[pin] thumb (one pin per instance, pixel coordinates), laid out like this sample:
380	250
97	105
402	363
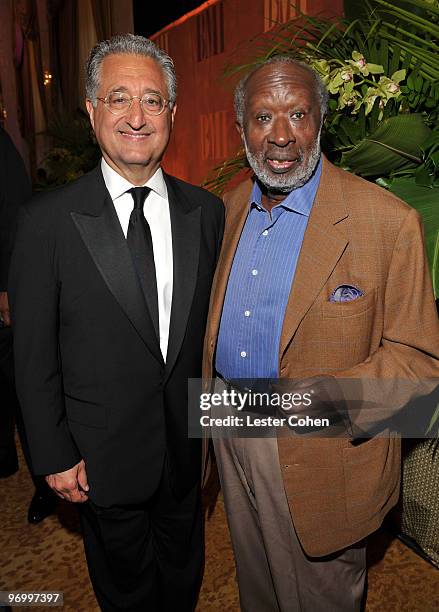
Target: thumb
82	477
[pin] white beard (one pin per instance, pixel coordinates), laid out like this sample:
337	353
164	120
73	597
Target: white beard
287	182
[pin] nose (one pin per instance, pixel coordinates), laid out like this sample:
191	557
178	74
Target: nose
135	116
282	132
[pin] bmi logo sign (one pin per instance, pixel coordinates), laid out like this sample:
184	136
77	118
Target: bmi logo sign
281	11
214	135
210	32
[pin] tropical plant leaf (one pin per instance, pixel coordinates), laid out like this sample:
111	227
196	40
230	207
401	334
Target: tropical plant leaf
426	201
395	58
75	150
221	175
417	12
71	130
395	144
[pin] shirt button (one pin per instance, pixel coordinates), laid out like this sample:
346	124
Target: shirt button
243	354
254	272
247	313
265	233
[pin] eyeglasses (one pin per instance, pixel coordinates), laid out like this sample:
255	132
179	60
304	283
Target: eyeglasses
119	103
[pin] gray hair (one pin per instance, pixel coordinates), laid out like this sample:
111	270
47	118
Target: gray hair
127	44
241	88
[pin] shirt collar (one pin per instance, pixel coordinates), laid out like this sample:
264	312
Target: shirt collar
299	200
117	185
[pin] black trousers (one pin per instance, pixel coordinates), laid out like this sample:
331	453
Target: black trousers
146	558
10	415
8	453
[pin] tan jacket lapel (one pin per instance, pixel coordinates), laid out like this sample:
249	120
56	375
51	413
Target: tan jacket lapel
322	247
236	215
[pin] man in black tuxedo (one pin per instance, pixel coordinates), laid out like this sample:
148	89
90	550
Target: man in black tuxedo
109	312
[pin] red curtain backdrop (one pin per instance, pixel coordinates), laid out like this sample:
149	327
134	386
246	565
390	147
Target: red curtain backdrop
201	44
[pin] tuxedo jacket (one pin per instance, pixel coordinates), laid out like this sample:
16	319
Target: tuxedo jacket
339	490
91	379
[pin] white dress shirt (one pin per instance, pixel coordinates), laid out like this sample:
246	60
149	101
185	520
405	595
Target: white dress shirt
156	211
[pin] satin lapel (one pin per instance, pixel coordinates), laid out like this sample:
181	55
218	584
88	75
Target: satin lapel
104	239
185	224
322	247
236	215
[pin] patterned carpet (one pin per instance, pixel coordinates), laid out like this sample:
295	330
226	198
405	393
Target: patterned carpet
50	556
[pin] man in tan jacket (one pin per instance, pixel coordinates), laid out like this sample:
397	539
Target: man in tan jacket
322	276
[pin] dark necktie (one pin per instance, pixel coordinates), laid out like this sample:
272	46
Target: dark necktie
140	244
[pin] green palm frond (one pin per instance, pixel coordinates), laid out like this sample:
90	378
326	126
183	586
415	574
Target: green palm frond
75	150
425	201
395	144
221	175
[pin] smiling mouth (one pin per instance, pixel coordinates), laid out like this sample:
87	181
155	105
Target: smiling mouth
282	165
134	135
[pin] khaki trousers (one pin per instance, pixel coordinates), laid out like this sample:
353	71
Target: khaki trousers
274	574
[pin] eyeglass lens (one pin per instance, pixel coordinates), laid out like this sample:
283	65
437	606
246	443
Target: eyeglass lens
120	102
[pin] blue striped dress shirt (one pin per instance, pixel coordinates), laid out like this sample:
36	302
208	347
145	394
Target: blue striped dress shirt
260	283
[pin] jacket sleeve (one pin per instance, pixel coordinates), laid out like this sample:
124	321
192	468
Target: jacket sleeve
34	294
406	364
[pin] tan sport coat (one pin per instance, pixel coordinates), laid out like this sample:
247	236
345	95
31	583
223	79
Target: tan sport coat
358	234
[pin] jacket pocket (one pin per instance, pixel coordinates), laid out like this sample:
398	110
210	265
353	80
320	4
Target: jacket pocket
372	475
351	308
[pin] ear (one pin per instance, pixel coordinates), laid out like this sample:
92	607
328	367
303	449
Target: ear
91	112
240	129
173	111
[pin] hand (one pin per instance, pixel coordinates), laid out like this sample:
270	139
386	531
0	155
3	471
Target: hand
71	484
323	398
4	309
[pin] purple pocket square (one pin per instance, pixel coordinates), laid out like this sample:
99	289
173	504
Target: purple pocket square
345	293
